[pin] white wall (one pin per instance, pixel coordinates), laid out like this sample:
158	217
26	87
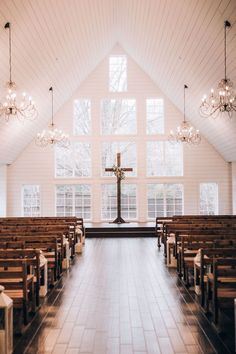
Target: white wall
201	163
3	190
234	186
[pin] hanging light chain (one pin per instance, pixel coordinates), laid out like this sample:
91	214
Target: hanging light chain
52	136
25	109
185	133
224	99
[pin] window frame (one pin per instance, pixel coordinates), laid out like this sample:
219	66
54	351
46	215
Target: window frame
90	117
126	73
22	200
165	190
163	117
216	211
113	100
73	198
73	164
115	197
163	159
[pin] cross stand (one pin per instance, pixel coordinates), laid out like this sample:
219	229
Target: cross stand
119	173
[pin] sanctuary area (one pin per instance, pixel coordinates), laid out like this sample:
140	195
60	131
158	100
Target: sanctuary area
117	176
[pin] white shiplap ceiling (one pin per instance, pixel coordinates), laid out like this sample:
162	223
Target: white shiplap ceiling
59	43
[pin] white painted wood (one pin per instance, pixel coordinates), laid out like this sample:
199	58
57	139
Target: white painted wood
234	186
3	190
201	164
61	42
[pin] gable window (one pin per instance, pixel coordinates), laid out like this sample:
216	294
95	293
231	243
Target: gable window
128	156
208	198
155	116
128	201
73	162
82	117
117	73
164	200
74	200
30	200
164	159
118	116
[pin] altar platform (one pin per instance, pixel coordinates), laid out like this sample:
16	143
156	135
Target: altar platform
129	229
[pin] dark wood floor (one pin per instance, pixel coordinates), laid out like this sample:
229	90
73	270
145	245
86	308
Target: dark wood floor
119	298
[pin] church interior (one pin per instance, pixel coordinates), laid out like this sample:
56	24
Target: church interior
117	176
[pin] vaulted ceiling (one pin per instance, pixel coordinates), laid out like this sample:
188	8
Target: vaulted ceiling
59	43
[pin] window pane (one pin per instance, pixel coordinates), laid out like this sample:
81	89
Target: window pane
82	159
75	161
164	159
118	117
209	198
128	201
74	200
82	117
128	156
155	116
109	207
63	162
30	200
118	73
164	200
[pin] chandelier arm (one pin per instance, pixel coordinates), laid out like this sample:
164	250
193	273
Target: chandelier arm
215	110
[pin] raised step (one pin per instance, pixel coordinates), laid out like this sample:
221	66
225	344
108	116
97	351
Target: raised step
120	230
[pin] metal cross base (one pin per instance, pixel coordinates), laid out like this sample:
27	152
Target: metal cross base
118	220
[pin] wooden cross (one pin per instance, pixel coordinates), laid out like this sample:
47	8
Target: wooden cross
119	173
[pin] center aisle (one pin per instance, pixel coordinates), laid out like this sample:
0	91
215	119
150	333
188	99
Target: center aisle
118	298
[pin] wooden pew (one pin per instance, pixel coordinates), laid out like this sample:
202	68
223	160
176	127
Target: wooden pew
161	222
221	286
19	285
60	231
32	256
189	248
48	245
205	264
159	228
206	230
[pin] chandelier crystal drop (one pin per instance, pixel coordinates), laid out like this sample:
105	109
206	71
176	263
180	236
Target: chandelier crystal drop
185	133
52	136
22	109
223	100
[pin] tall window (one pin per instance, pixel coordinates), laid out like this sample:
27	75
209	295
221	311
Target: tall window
155	116
118	116
164	200
164	159
128	156
75	161
128	201
82	117
30	200
74	200
118	73
208	198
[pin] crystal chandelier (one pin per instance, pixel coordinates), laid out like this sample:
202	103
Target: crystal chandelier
185	133
25	109
224	99
52	136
